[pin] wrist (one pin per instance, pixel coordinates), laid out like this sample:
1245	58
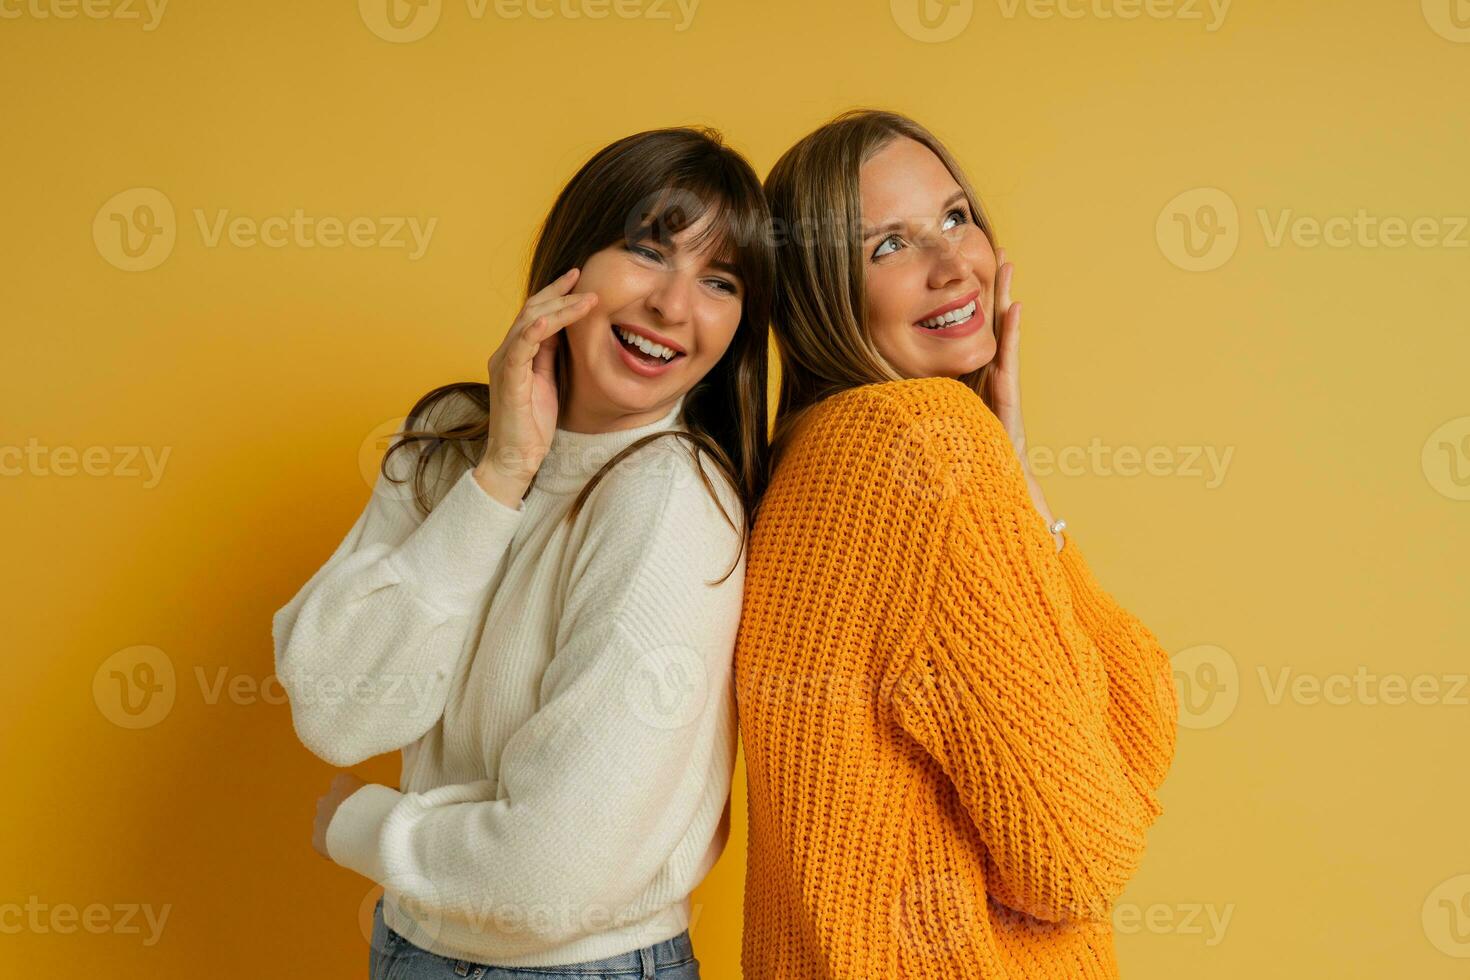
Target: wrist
1039	504
507	488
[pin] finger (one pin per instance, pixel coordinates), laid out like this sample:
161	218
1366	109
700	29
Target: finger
1003	343
538	330
578	305
557	286
547	307
523	348
544	362
548	324
1013	343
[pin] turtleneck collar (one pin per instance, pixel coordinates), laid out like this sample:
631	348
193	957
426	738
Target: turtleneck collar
573	457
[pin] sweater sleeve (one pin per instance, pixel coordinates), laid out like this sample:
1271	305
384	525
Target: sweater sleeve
366	649
1143	709
1008	693
601	784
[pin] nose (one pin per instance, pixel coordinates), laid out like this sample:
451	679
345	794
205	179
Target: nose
669	299
948	262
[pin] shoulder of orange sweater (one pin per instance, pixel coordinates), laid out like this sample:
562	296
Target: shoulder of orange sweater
935	433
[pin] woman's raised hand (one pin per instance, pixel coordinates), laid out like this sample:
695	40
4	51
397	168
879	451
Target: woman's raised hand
523	397
1005	382
1005	379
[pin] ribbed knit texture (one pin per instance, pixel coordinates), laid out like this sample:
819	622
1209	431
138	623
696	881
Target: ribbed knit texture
953	736
561	693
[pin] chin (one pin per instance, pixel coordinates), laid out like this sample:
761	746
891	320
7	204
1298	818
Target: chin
631	394
959	365
982	354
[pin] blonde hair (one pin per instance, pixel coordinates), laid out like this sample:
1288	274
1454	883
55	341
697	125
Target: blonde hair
819	316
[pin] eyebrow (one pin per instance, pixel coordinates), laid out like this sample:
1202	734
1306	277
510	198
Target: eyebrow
958	195
719	265
729	268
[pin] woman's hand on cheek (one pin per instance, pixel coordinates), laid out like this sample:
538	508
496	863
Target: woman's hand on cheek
524	404
1005	382
1005	379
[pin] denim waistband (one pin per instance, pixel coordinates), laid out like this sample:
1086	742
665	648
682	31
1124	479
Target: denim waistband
672	951
644	961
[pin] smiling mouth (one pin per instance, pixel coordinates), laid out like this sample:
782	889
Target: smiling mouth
645	349
952	318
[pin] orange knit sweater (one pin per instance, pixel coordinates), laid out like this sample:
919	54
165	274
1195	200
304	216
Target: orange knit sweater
953	736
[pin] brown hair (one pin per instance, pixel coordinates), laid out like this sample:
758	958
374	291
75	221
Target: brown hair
652	185
820	316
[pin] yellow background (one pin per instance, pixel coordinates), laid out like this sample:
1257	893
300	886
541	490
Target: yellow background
1329	835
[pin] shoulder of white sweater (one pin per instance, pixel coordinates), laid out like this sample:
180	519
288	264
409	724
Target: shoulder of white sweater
658	487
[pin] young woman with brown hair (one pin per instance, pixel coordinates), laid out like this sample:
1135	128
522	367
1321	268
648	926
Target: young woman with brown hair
531	606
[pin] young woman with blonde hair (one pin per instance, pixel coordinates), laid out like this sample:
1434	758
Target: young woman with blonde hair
953	735
532	609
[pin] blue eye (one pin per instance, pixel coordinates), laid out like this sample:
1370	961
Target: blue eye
879	251
964	216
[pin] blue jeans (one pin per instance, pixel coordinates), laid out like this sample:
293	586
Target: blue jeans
392	957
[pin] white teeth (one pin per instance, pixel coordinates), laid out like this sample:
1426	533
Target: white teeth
645	345
953	316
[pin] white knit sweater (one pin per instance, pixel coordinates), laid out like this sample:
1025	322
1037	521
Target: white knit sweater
561	693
